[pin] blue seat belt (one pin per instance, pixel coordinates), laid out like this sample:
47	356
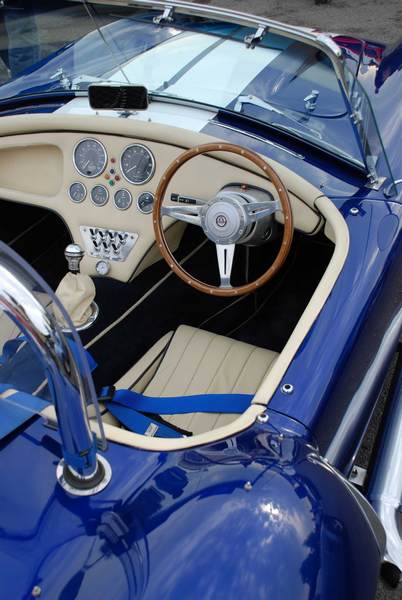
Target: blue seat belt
127	406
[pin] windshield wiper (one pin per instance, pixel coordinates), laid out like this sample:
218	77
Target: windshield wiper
256	101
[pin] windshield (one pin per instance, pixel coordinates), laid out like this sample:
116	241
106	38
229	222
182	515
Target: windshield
281	82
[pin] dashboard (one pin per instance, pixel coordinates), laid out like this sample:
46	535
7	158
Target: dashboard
103	184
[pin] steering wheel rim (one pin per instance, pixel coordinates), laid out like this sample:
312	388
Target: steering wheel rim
281	190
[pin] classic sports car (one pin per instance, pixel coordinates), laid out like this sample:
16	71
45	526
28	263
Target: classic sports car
185	401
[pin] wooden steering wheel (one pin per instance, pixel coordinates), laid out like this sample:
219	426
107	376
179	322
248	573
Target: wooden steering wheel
224	219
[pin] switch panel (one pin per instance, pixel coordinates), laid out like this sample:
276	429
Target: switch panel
107	243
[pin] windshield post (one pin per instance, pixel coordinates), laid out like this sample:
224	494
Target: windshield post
81	471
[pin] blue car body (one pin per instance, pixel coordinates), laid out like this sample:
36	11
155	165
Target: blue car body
268	513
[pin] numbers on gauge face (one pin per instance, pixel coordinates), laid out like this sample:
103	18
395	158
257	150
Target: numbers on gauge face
145	202
90	157
122	199
77	192
99	195
137	164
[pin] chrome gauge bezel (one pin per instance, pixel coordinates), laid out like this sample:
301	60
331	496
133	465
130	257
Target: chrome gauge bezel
142	182
107	195
69	192
130	202
145	212
104	153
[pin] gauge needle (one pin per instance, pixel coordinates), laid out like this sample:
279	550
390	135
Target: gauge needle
86	164
131	168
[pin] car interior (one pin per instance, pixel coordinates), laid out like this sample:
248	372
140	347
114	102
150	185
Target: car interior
95	182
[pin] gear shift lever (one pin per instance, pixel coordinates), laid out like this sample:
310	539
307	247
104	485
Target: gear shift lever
77	291
74	255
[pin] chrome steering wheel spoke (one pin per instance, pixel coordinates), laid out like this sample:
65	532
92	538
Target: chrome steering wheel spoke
225	253
259	210
189	213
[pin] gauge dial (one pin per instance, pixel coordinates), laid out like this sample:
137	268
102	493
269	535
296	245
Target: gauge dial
77	192
123	199
90	157
145	202
137	164
102	267
99	195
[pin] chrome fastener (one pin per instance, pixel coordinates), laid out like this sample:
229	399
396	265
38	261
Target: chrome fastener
287	388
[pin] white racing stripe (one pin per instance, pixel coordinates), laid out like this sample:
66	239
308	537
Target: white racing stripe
192	119
220	71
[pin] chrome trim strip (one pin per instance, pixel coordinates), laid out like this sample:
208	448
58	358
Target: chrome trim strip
257	137
385	490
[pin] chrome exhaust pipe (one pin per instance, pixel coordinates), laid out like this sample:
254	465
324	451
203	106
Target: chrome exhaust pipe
385	489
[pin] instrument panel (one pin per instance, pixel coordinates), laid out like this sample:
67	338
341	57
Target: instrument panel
62	171
136	165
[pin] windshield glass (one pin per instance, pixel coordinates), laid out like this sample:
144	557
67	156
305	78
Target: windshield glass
281	82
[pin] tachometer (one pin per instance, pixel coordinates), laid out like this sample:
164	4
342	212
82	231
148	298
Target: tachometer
137	164
90	157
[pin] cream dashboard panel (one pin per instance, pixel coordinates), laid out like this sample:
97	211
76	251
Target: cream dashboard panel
38	169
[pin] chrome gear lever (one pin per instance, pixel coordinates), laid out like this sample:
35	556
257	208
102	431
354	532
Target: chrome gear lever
77	291
74	255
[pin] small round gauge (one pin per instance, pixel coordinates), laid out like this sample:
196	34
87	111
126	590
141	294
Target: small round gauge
102	267
77	192
99	195
90	157
123	199
137	164
145	202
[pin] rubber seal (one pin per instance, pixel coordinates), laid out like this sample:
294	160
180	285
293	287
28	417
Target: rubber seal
84	484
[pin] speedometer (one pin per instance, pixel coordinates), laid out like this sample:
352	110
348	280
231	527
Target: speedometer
90	157
137	164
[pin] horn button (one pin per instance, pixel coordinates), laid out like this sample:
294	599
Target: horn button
224	221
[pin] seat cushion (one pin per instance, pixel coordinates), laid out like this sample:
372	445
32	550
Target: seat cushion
198	362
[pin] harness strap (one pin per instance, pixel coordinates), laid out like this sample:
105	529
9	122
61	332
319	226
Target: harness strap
128	408
179	405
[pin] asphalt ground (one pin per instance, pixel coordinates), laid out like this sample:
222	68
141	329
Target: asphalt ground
379	20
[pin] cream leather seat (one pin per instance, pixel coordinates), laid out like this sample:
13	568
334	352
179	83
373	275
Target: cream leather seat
193	361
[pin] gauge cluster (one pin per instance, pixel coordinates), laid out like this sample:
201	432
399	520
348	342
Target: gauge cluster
135	166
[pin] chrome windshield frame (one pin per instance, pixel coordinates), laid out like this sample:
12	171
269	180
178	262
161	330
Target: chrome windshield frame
165	13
